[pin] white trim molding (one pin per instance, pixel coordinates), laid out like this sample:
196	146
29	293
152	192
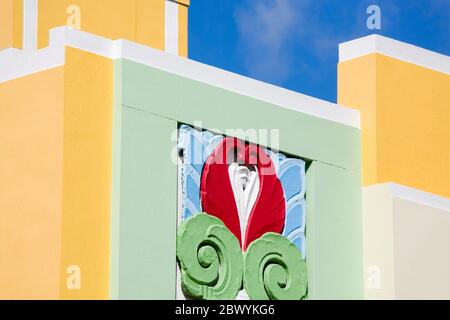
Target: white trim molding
17	63
171	27
419	196
395	49
30	25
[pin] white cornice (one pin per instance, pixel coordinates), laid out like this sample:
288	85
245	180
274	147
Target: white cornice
16	63
395	49
171	27
419	196
30	25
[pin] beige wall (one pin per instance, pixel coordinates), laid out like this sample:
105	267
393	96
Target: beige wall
378	239
422	250
406	243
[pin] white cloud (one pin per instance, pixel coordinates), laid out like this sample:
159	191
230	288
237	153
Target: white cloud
266	27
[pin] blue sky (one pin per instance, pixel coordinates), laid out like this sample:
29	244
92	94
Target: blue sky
294	43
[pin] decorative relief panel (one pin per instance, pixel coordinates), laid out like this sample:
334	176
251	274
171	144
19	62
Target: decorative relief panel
242	229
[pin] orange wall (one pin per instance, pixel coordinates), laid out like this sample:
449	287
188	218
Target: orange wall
31	149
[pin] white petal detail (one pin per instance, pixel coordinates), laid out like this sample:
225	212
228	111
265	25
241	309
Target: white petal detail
245	185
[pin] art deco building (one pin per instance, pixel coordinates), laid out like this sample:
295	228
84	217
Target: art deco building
128	171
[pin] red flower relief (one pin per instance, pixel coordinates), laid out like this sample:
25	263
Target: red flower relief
218	198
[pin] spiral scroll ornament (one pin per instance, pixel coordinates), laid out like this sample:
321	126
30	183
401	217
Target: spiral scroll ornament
274	269
210	259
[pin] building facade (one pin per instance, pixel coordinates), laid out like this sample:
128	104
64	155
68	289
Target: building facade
130	172
403	94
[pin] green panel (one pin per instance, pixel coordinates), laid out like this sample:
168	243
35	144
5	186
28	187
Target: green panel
334	233
144	229
188	101
148	207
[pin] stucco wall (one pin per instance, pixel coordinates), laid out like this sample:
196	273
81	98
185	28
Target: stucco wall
403	94
406	243
31	148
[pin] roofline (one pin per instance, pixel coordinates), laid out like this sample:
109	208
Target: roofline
414	195
395	49
16	63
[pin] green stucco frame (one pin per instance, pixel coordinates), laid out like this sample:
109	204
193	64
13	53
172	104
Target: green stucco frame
149	105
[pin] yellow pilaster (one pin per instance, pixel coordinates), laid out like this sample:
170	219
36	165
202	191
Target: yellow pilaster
141	21
6	23
405	112
357	89
17	23
87	170
150	23
183	29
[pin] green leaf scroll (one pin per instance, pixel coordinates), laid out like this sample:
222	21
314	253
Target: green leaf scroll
213	266
210	259
274	269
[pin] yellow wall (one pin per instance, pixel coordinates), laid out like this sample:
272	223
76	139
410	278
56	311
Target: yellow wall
31	149
357	89
10	24
87	169
109	18
56	153
6	24
183	30
55	180
17	23
141	21
150	23
405	113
